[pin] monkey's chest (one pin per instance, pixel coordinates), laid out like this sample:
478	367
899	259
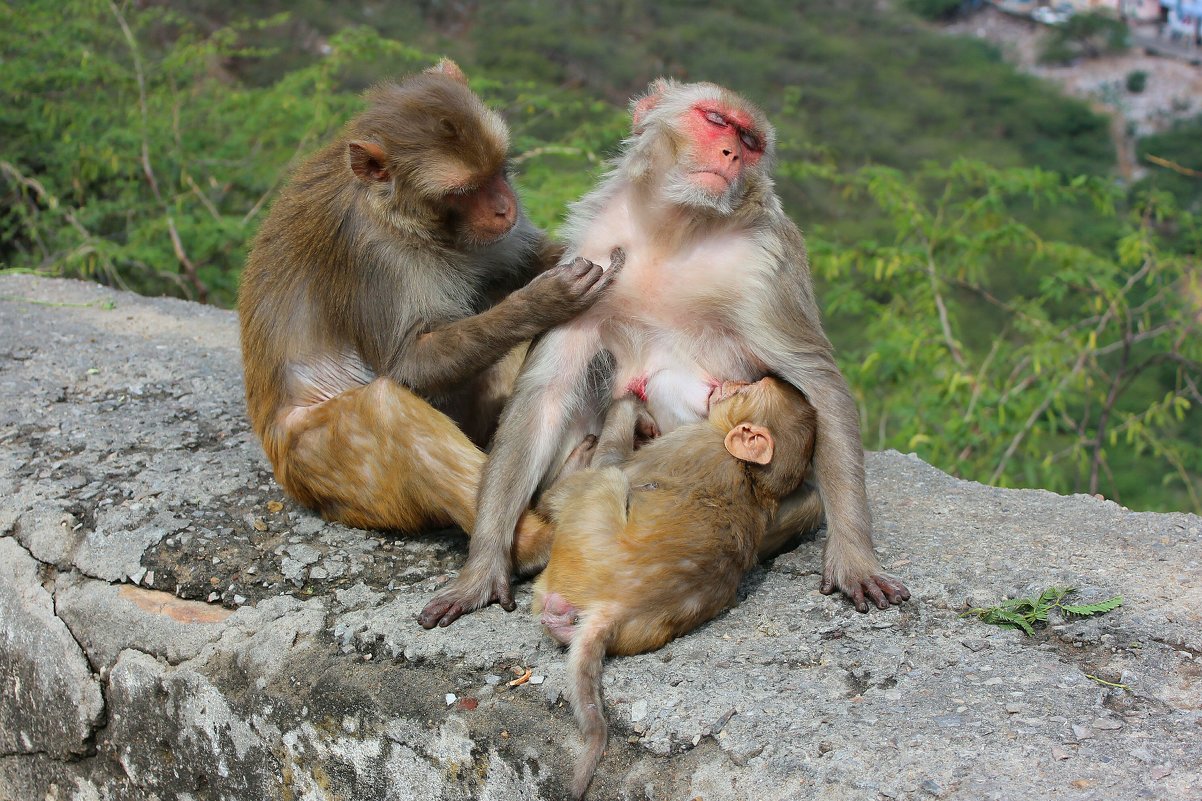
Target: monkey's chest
674	366
667	325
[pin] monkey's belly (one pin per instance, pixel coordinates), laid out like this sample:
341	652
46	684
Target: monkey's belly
677	397
675	381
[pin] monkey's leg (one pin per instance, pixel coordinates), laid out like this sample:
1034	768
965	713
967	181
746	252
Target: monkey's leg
489	394
799	513
532	543
378	456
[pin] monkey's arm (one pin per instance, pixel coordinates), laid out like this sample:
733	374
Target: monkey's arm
616	443
784	335
528	440
452	353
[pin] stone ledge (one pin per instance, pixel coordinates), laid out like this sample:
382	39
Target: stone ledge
168	631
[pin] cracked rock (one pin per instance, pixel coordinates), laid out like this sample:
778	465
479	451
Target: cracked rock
49	699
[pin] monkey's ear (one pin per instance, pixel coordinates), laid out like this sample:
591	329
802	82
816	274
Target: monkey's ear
368	161
643	106
448	68
750	443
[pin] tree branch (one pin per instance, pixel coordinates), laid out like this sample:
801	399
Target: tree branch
177	245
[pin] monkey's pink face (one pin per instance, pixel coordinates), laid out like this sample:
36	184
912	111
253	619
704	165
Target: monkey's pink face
725	143
486	213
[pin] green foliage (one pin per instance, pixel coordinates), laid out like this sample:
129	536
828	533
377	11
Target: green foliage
1029	613
1009	357
1085	36
1174	162
1137	81
934	9
146	166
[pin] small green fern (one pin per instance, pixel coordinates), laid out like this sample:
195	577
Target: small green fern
1027	613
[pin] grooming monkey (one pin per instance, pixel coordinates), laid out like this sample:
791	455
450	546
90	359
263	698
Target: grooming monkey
385	304
650	544
716	286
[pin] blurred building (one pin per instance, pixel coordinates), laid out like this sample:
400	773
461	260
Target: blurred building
1183	20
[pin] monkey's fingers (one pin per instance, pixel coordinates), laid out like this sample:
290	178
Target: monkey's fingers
617	259
584	275
880	589
645	427
894	589
607	277
581	267
875	593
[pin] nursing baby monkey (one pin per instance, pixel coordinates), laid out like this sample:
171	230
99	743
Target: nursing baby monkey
649	544
716	286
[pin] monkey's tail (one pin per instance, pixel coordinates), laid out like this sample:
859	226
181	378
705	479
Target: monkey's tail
585	660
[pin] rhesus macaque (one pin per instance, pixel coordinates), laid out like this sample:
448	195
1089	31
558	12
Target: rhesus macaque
648	545
385	306
716	287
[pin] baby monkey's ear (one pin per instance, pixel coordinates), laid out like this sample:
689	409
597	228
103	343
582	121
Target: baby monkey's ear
750	443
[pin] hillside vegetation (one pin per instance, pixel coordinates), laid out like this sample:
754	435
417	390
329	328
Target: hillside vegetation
1000	305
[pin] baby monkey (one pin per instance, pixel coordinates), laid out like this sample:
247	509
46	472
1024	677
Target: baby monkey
648	545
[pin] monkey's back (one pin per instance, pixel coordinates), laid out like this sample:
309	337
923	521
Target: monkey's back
667	554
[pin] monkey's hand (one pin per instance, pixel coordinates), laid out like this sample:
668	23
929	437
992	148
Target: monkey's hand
566	290
473	590
860	585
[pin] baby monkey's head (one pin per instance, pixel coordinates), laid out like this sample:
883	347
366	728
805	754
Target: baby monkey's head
769	424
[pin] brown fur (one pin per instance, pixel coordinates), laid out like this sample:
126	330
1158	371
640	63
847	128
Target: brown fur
654	544
385	307
716	286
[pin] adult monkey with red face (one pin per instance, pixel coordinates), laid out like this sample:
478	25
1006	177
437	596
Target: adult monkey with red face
384	304
716	286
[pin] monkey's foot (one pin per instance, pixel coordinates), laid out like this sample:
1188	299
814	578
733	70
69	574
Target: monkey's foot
559	617
882	589
467	594
581	456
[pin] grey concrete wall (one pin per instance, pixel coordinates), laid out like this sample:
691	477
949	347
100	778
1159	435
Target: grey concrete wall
172	627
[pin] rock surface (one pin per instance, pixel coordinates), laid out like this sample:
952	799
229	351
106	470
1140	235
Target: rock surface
173	627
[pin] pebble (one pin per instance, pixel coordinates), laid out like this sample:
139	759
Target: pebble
1082	732
450	698
638	711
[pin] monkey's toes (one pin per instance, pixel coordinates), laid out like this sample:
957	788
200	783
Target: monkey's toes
894	590
439	612
880	589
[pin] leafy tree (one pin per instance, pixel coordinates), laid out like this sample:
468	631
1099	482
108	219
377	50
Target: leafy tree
144	166
1085	36
935	9
1174	160
1088	378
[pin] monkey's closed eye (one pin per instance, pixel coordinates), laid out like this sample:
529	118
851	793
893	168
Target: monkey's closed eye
750	140
715	118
